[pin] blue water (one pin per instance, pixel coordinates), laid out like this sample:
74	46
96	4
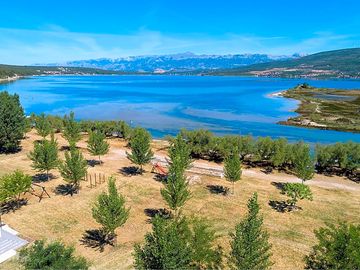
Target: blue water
164	104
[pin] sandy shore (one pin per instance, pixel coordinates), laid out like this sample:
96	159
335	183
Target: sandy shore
9	79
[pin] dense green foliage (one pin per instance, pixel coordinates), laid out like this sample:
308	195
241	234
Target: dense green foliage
109	209
338	248
43	125
303	162
13	185
13	123
178	244
74	168
232	168
141	153
71	130
52	256
250	248
97	144
45	155
296	192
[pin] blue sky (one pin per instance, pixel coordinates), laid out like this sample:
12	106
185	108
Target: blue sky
57	31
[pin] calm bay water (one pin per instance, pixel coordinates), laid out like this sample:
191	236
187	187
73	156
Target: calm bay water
164	104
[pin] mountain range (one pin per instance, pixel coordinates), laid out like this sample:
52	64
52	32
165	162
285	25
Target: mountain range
182	62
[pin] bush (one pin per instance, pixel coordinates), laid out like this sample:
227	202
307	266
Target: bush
52	256
338	248
13	185
296	192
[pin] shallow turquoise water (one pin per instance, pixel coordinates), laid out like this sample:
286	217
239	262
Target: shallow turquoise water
164	104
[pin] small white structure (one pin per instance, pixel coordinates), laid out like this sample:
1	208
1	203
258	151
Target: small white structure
9	242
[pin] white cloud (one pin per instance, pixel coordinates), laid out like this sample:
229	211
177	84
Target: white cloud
53	43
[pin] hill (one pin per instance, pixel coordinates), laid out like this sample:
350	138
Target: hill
182	62
10	71
343	63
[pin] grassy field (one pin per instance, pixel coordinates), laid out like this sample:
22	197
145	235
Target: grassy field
67	218
325	108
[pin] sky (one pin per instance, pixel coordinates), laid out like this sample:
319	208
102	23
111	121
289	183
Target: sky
40	31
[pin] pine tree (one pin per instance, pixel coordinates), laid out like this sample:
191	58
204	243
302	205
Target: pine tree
303	162
250	248
97	144
141	153
71	129
45	155
43	125
109	210
13	123
180	150
73	169
232	168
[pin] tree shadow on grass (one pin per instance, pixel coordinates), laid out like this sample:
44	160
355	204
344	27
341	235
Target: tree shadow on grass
66	189
160	178
12	206
93	162
279	185
152	212
42	177
218	189
283	206
97	239
130	171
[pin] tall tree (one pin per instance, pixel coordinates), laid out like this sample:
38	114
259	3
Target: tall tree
178	244
180	151
54	255
73	169
338	247
232	168
110	211
71	129
43	125
45	155
97	145
13	123
250	248
303	162
141	153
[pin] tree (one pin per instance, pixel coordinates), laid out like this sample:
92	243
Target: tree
232	168
13	185
45	156
338	247
110	211
279	155
97	144
250	248
54	255
71	129
73	169
13	123
303	162
43	125
178	244
296	192
180	151
141	153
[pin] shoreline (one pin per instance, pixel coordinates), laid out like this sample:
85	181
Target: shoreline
10	79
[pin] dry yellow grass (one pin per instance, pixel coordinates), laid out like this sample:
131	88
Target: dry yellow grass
66	218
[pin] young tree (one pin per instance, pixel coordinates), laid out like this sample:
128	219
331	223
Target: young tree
45	155
13	123
71	129
338	248
250	248
303	162
97	145
180	151
178	244
110	211
13	185
176	191
141	153
232	168
43	125
73	169
54	255
296	192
